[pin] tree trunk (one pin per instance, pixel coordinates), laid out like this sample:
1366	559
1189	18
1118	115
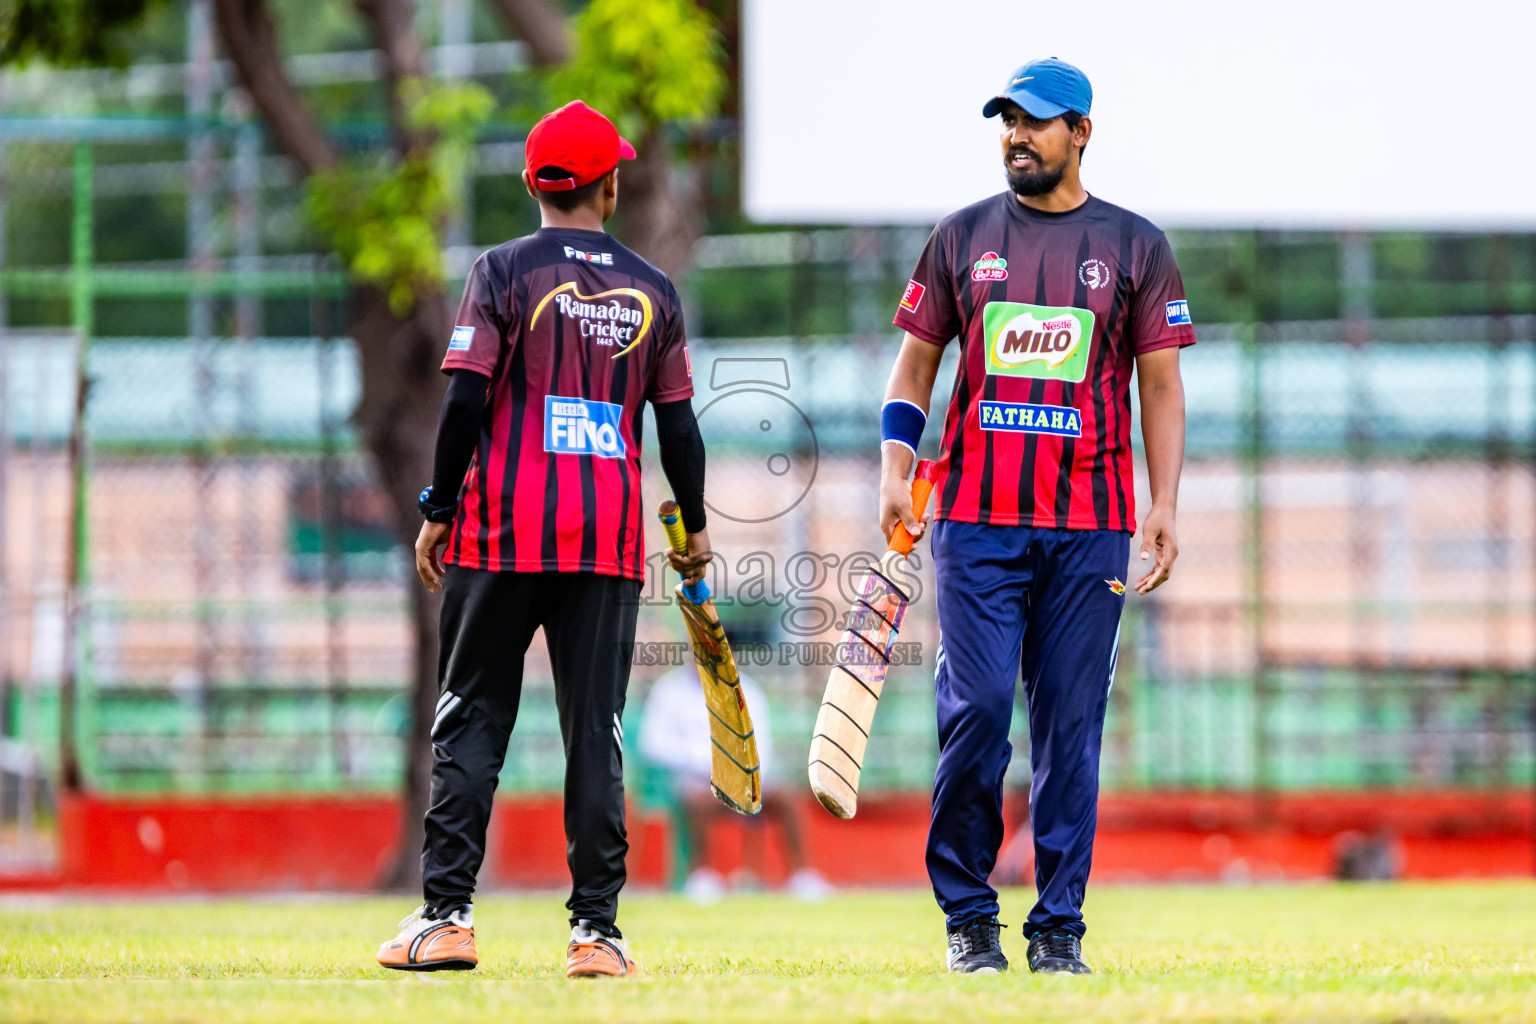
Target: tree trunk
659	204
402	391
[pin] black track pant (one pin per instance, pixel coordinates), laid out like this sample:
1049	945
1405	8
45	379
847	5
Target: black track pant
488	620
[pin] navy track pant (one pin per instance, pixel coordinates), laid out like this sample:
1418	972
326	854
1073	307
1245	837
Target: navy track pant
1044	602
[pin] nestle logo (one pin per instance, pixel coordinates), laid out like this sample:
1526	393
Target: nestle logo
1058	325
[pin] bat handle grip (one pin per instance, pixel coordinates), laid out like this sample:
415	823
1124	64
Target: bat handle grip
922	487
677	537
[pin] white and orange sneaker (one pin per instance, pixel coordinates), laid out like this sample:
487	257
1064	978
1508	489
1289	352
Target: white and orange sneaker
429	943
592	954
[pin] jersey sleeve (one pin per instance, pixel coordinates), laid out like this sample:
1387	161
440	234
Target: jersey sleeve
479	328
928	307
1159	314
672	373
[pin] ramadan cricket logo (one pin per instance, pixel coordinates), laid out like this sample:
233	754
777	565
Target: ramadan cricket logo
1044	342
604	323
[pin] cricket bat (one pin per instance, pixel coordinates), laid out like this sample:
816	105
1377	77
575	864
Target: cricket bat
735	773
863	657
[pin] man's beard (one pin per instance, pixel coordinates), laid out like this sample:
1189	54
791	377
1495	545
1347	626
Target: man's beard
1034	183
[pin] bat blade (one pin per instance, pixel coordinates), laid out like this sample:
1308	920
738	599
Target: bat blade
735	771
853	690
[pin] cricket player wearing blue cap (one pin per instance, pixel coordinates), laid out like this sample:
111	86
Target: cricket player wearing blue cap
1057	297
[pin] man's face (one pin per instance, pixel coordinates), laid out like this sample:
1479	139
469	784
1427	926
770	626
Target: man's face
1035	152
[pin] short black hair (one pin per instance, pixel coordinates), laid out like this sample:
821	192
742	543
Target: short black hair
1073	119
566	200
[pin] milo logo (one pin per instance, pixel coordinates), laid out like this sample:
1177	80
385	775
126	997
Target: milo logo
1047	342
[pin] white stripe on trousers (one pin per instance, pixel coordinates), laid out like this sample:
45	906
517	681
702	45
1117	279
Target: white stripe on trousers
444	712
1114	660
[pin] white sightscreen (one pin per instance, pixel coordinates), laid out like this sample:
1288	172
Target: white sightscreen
1207	113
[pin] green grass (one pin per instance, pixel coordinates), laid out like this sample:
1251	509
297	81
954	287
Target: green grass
1400	953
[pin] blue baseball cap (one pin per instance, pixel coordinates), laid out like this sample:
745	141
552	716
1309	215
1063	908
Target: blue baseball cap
1044	88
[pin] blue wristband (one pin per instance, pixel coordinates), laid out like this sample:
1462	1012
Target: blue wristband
902	422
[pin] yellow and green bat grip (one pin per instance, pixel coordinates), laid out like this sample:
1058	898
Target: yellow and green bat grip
677	536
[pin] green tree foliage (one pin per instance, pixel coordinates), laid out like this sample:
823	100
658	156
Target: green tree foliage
69	33
645	63
385	217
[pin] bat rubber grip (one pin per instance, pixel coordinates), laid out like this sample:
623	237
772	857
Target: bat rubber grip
677	536
922	487
672	523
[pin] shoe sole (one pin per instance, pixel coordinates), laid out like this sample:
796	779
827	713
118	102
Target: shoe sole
435	965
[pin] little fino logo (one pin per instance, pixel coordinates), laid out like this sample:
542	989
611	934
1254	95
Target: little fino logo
577	426
991	267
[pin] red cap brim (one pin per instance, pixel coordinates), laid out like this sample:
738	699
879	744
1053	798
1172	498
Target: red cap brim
626	151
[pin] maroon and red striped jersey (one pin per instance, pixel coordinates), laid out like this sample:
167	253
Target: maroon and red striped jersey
576	333
1051	311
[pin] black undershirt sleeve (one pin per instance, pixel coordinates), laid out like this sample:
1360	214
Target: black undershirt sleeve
682	459
458	433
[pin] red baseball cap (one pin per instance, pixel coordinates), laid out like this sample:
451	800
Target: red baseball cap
578	139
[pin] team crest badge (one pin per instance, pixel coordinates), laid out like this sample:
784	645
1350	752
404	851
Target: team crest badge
1116	586
1093	273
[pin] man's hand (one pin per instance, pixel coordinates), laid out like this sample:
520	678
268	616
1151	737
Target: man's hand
691	566
896	506
428	566
1159	540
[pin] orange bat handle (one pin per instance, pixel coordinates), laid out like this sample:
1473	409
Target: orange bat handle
922	487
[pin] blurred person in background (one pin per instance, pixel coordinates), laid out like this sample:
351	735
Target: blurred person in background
1056	296
560	340
674	739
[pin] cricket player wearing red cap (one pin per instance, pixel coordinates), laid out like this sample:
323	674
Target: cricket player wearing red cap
560	340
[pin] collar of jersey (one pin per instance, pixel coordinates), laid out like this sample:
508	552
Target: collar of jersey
1045	216
579	232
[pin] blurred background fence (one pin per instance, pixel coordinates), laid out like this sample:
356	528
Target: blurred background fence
199	591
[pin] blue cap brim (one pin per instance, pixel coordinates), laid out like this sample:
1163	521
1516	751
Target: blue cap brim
1033	105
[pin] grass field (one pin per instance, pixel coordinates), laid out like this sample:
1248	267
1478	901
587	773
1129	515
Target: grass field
1420	953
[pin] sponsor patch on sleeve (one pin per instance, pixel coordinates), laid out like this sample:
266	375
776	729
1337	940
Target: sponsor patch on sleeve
1178	312
462	338
912	297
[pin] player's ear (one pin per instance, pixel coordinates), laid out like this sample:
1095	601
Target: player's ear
610	193
1082	133
528	183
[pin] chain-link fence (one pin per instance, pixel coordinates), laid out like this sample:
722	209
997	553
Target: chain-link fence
206	577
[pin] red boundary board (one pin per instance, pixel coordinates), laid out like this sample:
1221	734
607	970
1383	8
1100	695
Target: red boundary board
240	845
